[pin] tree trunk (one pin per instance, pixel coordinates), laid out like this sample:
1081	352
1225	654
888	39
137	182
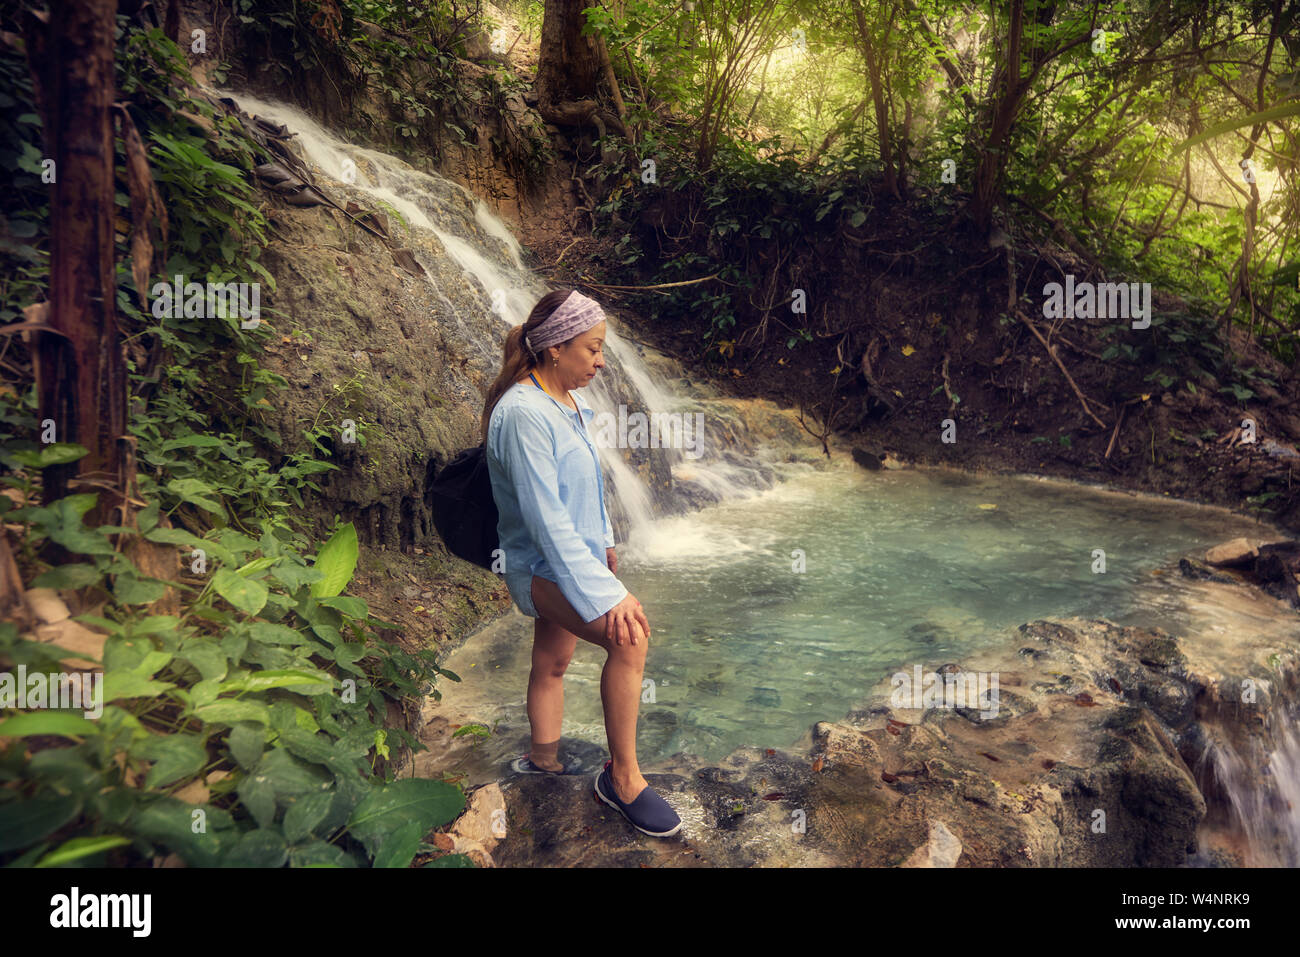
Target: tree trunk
570	68
1007	93
1001	111
82	382
874	56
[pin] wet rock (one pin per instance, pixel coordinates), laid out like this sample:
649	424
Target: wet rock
1048	631
484	820
1007	706
1199	571
941	850
1170	701
844	745
861	716
1159	651
868	460
1237	552
715	775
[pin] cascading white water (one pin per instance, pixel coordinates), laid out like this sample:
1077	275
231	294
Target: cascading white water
1262	791
458	224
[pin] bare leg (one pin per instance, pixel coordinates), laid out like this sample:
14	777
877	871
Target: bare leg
620	683
552	649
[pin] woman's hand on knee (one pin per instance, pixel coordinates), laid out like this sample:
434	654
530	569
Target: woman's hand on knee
626	621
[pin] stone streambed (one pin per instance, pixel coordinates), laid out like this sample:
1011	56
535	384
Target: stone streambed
1107	749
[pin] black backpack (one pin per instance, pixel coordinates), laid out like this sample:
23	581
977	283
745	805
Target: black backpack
464	511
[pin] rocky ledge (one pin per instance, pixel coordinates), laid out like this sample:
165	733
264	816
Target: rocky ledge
1105	749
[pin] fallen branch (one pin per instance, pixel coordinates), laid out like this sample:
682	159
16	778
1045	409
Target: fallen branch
1051	351
662	285
947	386
1119	420
562	252
830	424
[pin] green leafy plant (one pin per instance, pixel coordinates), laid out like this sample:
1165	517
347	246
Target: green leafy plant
249	729
245	725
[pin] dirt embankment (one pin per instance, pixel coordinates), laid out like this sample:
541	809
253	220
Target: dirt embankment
910	329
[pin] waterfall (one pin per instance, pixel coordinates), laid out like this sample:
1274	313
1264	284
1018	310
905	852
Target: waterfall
447	223
1255	787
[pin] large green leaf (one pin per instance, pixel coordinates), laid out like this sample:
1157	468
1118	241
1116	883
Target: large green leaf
273	634
352	607
174	756
179	536
205	654
79	847
349	791
1281	111
305	682
152	625
337	561
419	800
113	805
399	847
63	723
294	576
245	742
63	522
134	655
245	594
327	633
199	835
28	821
304	814
192	441
452	860
313	748
125	684
263	847
320	854
67	769
257	794
291	777
56	453
231	711
68	576
147	518
256	565
132	590
347	654
196	493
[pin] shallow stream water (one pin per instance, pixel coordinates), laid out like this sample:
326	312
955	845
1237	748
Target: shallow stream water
791	606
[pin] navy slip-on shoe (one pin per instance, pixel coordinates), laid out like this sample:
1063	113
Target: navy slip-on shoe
648	813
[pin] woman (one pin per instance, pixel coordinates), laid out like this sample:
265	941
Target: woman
558	543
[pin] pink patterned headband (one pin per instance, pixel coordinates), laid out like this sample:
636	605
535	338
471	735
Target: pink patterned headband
576	314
